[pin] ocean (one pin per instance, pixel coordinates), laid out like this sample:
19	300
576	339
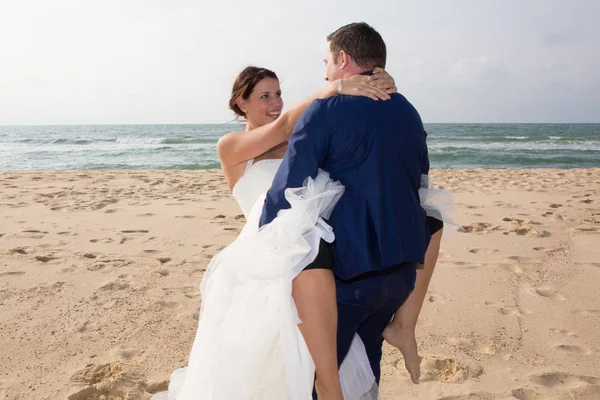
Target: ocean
146	147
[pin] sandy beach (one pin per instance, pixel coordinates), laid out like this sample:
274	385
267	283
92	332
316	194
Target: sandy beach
100	273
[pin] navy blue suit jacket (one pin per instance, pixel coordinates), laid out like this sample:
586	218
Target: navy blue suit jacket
378	151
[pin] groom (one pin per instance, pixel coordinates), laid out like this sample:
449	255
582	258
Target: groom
377	150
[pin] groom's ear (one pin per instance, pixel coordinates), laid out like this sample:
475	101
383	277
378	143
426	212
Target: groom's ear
344	59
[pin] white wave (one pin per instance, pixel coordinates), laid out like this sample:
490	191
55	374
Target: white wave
508	146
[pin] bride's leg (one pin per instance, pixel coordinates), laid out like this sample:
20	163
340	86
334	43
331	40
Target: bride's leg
401	331
314	294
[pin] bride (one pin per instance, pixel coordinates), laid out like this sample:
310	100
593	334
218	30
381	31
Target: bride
250	342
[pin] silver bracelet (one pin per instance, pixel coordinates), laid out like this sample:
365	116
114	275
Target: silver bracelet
340	86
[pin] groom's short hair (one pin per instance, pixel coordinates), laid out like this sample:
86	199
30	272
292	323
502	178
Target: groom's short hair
363	43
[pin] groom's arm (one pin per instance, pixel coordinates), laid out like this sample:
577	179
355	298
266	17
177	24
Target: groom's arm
305	154
425	164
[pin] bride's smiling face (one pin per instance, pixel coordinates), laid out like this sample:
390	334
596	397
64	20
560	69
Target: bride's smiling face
264	103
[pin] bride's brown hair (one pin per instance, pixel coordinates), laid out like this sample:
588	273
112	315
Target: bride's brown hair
244	85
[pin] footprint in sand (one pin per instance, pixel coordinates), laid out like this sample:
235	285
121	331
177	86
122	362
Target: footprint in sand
550	214
145	215
483	251
46	258
562	380
466	265
435	298
509	311
547	292
503	309
104	240
573	350
555	205
476	214
447	370
101	204
118	284
526	394
518	258
17	250
192	295
107	381
470	396
170	305
470	207
191	292
125	353
185	216
584	230
515	269
12	273
156	388
531	232
480	227
563	332
135	231
31	234
520	222
470	346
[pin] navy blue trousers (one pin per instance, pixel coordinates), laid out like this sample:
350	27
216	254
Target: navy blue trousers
366	305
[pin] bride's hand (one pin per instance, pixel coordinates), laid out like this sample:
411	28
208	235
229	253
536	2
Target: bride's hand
377	86
383	80
358	85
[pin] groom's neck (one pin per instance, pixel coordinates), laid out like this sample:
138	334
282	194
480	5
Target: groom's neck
353	70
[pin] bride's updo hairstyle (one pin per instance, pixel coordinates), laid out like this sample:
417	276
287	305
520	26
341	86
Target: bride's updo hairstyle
244	85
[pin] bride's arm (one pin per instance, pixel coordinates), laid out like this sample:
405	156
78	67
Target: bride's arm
237	147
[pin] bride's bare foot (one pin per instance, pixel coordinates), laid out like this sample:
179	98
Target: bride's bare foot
404	339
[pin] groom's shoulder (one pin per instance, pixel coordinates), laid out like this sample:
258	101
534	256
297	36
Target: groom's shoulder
346	105
398	103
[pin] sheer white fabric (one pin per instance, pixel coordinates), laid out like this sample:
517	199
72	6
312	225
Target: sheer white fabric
248	345
439	203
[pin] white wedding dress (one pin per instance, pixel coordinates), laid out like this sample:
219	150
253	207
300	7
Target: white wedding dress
248	345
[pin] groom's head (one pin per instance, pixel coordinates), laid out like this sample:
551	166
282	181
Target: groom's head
353	49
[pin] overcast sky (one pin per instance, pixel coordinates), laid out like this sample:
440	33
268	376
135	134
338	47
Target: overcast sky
173	61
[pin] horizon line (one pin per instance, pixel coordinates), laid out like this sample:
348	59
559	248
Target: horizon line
240	123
